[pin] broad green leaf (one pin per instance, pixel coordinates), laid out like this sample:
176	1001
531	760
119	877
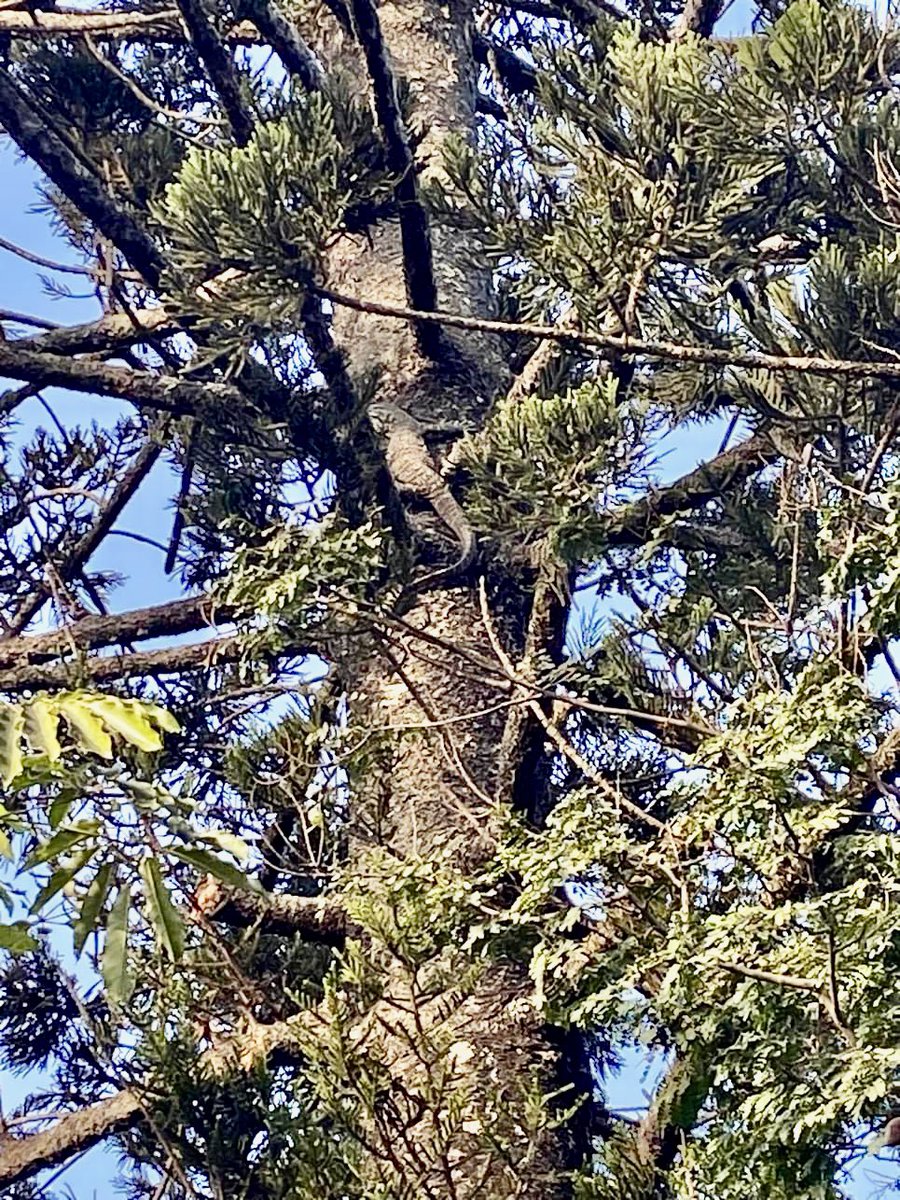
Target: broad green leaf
92	734
204	861
5	845
12	723
126	718
62	841
16	939
59	810
60	878
41	721
6	899
167	924
228	842
92	906
114	964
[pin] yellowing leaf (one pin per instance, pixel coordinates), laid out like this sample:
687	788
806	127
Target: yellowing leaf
162	717
126	718
90	728
228	842
12	721
41	720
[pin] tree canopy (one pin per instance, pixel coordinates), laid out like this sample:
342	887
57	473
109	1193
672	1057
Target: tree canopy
478	748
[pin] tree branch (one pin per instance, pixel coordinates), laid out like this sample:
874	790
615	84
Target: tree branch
697	16
285	39
111	332
614	344
104	669
64	169
319	918
418	265
518	76
162	393
23	1158
171	619
633	524
80	553
169	660
220	67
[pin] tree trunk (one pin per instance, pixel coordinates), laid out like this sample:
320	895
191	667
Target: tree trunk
460	1048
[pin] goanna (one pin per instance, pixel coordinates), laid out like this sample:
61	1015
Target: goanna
412	470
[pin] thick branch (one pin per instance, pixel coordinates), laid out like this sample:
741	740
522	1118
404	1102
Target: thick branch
421	290
220	66
697	16
169	660
317	918
285	39
518	76
91	633
23	1158
111	332
104	669
631	525
64	168
165	394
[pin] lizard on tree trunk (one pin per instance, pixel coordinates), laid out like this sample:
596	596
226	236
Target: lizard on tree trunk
413	471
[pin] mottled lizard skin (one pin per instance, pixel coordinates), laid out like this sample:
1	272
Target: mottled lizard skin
412	469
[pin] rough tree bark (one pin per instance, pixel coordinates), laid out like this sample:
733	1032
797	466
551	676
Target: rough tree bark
436	791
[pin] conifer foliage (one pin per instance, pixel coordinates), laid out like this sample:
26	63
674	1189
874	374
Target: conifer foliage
356	867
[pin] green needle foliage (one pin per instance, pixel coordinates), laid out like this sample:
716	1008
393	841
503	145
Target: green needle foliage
371	885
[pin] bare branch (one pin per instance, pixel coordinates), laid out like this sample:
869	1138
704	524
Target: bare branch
39	260
633	524
285	39
50	23
697	16
17	318
220	66
111	332
752	360
172	619
801	983
421	289
170	660
319	918
105	668
77	558
518	76
22	1158
164	394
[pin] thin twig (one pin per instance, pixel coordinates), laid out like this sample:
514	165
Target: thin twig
669	351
